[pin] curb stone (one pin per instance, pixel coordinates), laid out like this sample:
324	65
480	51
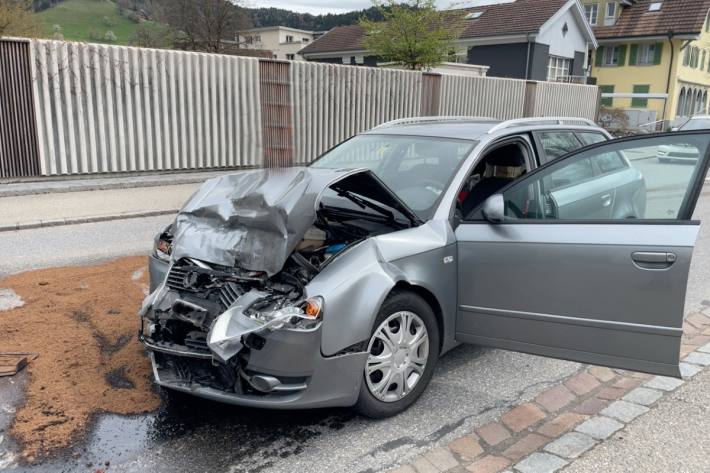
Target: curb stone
567	433
79	220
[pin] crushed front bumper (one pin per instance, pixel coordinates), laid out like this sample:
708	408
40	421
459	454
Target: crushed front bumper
285	370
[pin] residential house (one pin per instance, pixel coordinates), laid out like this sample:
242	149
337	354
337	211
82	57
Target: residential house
523	39
653	55
282	41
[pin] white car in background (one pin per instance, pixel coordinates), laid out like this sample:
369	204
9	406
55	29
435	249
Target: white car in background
681	153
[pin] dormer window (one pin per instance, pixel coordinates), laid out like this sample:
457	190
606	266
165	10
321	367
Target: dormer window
655	6
610	16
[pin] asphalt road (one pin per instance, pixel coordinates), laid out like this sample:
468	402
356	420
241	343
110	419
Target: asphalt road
471	386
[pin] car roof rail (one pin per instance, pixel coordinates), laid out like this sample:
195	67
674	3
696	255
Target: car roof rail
542	121
433	119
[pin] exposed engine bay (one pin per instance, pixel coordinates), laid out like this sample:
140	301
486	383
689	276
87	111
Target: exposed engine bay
207	318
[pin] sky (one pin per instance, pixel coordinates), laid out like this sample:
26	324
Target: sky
335	6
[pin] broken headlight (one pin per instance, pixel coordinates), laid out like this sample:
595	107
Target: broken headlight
304	315
225	337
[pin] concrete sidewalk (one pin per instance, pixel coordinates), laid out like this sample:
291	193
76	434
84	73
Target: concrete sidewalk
66	208
671	437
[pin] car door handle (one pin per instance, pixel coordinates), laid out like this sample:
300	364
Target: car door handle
606	200
653	259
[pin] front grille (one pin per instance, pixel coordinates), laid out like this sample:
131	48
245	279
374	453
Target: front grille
197	341
176	278
228	294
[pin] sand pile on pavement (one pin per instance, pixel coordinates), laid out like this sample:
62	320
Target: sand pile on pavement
82	322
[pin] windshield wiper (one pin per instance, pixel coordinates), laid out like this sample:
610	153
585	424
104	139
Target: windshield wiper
364	203
341	212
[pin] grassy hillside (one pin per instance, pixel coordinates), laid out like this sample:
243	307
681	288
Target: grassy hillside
88	20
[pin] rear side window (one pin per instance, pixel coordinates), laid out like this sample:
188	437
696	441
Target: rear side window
610	162
557	143
590	138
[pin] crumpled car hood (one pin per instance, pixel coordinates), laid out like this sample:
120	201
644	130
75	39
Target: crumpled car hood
255	219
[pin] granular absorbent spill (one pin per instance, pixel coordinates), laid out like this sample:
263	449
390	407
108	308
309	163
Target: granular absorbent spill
82	322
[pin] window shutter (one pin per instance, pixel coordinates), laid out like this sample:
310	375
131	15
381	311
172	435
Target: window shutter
600	57
622	55
633	54
659	54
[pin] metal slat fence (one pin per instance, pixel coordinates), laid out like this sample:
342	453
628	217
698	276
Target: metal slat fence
73	108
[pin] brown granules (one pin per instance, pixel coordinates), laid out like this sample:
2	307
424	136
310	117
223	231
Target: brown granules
82	322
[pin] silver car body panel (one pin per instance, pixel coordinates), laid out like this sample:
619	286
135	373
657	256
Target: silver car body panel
512	286
573	291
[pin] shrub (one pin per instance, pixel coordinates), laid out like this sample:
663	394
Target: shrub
110	36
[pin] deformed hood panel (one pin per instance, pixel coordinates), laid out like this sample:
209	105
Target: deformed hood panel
254	219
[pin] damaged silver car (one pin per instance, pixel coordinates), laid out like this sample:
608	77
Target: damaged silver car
341	283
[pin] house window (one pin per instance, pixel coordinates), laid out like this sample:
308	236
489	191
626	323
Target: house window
646	54
257	38
291	57
289	38
640	102
610	17
591	10
686	56
607	89
613	56
305	40
558	68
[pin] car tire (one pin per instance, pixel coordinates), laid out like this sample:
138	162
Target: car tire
400	302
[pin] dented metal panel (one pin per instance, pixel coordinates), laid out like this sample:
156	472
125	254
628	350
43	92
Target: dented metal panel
251	219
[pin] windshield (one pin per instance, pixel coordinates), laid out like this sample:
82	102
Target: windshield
417	169
696	124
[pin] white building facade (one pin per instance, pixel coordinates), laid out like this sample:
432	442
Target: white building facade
282	41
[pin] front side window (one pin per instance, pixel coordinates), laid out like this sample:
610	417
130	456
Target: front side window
649	178
417	169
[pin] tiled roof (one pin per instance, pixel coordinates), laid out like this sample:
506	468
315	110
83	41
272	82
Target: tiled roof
519	17
678	16
340	38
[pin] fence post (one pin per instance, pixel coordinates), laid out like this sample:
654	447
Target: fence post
19	150
530	99
276	112
431	94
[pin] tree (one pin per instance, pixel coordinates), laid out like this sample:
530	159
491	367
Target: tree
152	35
201	25
414	34
16	19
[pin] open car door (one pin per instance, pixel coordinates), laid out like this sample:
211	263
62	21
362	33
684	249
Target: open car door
587	258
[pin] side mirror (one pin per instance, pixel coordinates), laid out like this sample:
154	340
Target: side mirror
494	208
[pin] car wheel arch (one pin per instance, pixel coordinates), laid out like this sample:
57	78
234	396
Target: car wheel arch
430	299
